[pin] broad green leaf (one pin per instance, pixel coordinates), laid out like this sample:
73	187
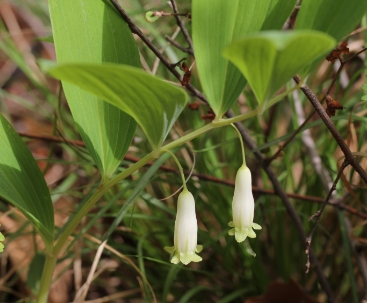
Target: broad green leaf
92	31
334	17
270	59
216	24
278	13
153	103
22	183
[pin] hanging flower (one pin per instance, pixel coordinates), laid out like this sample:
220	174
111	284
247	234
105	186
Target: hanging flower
186	229
243	207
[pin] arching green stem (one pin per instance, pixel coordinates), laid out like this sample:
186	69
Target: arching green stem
242	145
179	167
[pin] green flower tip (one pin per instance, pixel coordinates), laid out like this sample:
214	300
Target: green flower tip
241	233
184	257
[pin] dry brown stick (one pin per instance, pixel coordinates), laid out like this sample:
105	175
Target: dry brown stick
298	130
171	67
179	46
342	63
289	140
319	213
330	125
183	28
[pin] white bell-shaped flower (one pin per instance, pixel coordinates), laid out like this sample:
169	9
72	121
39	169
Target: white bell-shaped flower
186	229
243	207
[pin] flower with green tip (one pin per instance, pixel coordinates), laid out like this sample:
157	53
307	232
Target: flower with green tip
243	207
186	229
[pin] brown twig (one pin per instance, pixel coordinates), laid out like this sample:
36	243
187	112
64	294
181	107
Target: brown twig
179	46
318	214
52	138
183	28
299	129
289	140
342	63
135	30
330	125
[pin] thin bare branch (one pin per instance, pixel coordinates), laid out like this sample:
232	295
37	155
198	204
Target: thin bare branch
179	46
330	125
310	145
318	214
135	30
183	28
299	129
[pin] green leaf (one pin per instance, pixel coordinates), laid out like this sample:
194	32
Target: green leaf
278	13
334	17
22	183
218	23
270	59
92	31
35	272
153	103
